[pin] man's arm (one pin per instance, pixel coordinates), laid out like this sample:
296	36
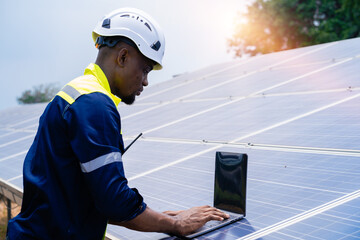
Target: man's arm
174	222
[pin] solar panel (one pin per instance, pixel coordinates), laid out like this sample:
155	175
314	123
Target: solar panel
295	113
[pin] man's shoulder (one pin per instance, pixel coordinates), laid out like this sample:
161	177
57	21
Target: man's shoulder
94	108
84	85
96	100
87	84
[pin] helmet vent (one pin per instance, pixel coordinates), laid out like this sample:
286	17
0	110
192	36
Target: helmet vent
146	24
156	46
106	23
138	18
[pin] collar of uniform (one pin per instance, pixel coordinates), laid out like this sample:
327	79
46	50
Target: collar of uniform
96	71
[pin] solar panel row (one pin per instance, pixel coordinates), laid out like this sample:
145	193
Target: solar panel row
295	113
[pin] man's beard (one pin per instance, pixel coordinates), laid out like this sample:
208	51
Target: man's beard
129	99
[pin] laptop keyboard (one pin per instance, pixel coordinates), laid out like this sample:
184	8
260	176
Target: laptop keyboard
214	223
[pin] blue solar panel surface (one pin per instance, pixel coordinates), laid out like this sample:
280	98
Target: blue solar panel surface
295	113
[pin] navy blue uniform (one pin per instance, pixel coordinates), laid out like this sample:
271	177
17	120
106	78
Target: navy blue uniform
74	179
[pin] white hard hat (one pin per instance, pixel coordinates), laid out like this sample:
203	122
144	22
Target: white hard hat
137	26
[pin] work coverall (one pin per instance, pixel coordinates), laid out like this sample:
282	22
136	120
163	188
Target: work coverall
74	179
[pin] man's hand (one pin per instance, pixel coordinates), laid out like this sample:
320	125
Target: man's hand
188	221
175	222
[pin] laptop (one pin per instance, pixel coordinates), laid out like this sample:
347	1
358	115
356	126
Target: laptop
229	190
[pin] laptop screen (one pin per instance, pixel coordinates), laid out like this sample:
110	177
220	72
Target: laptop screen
230	182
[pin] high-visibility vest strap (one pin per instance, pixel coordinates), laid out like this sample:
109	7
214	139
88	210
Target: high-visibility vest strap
80	86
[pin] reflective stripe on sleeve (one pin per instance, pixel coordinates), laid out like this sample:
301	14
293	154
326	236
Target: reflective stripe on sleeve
71	91
100	162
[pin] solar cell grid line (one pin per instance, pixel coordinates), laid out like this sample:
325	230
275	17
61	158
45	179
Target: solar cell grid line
225	121
329	79
318	150
344	174
239	87
221	131
22	130
244	76
10	169
347	89
327	151
249	145
168	96
30	125
17	182
325	183
22	122
13	151
272	182
11	116
302	216
125	110
222	70
182	77
17	140
340	124
14	178
306	64
234	97
232	66
358	186
160	179
237	100
295	186
163	115
11	136
316	176
339	226
339	174
246	136
343	50
13	155
348	212
159	200
338	77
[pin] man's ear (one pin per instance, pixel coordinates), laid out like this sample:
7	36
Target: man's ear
122	57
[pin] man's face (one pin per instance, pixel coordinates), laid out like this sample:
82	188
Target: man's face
133	77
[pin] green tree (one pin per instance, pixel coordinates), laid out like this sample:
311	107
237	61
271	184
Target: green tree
40	93
275	25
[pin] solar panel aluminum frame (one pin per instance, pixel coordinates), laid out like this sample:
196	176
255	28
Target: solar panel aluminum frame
11	192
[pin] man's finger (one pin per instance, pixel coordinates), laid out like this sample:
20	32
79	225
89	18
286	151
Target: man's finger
212	210
214	217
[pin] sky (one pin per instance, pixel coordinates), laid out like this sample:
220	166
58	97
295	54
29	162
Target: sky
45	42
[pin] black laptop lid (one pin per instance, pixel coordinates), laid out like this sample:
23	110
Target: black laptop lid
230	182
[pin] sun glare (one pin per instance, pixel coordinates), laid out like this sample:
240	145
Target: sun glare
231	17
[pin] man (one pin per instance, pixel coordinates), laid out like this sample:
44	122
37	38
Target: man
74	182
